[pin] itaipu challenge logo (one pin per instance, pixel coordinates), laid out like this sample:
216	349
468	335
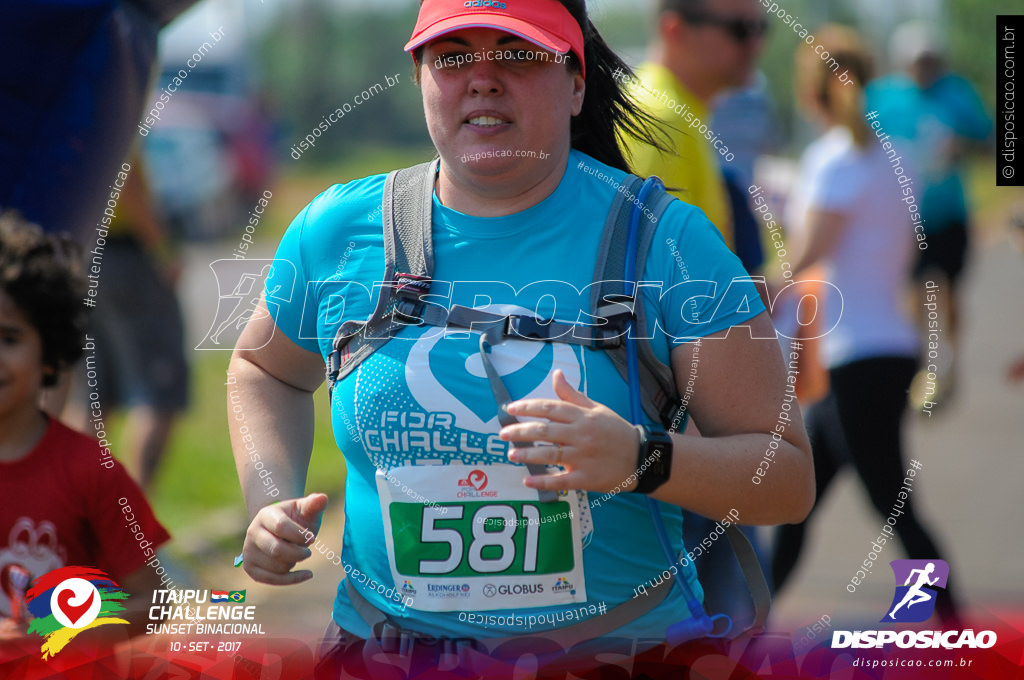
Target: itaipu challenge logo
70	600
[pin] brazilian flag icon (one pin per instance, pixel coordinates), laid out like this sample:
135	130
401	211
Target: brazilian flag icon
237	596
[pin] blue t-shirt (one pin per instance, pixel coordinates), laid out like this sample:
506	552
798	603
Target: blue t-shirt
925	124
423	399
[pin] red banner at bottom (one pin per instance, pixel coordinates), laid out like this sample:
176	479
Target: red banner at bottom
771	656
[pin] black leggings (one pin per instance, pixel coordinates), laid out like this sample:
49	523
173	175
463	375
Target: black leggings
859	422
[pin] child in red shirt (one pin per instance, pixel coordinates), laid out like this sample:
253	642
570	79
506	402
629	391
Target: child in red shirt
64	501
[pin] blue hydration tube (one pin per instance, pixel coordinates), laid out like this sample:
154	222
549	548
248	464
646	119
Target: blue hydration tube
699	624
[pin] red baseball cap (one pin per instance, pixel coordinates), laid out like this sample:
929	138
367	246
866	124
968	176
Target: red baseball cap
545	23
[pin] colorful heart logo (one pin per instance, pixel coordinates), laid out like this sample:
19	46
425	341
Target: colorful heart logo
478	479
73	612
69	600
75	602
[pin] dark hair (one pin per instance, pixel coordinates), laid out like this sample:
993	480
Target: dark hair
609	114
43	276
682	7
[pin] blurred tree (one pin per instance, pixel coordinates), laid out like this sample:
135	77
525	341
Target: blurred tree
972	41
317	58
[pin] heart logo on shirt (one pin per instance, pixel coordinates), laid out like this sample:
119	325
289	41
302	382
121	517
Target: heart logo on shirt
522	365
449	376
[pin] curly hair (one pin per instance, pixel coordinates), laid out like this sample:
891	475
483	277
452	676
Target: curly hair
42	274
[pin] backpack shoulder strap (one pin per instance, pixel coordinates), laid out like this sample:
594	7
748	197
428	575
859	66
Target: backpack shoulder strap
657	385
408	245
757	585
660	397
408	266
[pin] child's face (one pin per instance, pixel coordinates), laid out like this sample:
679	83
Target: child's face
21	360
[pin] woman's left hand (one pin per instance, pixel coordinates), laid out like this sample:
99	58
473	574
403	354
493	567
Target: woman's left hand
595	445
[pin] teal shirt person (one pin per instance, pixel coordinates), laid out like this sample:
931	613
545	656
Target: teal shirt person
929	125
445	533
420	414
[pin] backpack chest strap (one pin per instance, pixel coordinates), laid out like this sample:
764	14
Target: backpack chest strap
606	335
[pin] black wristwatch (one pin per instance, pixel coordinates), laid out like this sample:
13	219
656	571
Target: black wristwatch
654	460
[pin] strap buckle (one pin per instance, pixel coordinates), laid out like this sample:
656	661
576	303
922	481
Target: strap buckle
333	366
610	336
673	413
407	291
607	336
617	311
527	327
408	312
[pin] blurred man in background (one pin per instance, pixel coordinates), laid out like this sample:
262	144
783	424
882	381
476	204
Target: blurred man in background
701	49
72	90
746	119
139	330
935	117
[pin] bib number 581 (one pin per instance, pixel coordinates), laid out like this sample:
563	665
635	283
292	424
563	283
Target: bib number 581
492	546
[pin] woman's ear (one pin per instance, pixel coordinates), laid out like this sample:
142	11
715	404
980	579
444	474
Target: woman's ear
579	90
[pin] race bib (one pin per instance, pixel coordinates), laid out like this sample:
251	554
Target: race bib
481	541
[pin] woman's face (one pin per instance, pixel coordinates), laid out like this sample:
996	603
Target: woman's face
504	111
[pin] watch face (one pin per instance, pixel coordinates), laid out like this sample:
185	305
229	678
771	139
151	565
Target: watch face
659	469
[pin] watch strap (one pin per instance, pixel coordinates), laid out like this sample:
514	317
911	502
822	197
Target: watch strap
654	458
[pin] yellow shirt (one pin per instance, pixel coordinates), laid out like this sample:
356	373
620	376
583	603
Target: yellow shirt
692	175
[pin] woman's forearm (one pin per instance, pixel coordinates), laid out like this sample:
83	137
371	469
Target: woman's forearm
822	235
713	475
271	426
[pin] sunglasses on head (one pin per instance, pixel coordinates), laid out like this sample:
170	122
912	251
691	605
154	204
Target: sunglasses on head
739	29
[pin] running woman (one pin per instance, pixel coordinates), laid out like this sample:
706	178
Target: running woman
847	214
513	232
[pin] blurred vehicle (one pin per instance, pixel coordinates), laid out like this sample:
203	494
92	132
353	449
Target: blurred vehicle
210	158
210	152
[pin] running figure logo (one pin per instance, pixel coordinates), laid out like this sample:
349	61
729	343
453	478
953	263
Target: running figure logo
240	285
914	601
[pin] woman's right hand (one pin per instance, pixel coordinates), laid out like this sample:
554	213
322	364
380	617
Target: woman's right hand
278	537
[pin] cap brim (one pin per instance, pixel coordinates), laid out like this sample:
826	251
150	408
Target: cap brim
524	30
